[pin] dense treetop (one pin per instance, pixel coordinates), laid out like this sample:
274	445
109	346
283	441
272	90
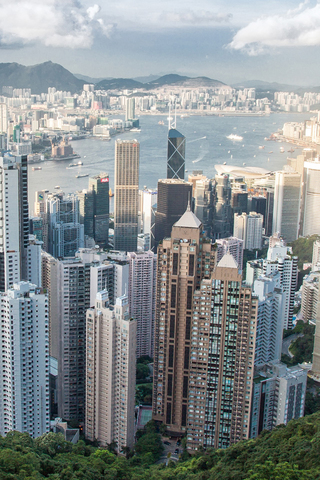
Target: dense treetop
287	453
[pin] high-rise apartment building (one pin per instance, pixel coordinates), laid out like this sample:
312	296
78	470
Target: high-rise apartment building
14	228
223	330
173	198
176	154
142	296
315	254
286	208
183	261
110	373
232	245
316	344
279	258
309	296
126	192
24	360
130	108
270	296
311	204
68	284
248	227
3	118
278	396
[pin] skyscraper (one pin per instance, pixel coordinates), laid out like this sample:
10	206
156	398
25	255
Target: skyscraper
286	207
99	184
142	295
311	204
14	229
173	197
24	360
176	154
222	219
126	194
248	227
183	260
223	329
110	373
130	108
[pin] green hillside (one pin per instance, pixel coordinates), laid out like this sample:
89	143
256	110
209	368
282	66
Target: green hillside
287	453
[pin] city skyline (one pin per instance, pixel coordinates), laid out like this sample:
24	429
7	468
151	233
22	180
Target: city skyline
243	41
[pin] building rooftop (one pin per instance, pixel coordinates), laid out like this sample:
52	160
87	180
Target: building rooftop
188	220
227	261
173	133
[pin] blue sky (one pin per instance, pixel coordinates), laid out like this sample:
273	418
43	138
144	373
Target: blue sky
230	41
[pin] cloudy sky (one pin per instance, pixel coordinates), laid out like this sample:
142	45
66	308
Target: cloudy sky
231	41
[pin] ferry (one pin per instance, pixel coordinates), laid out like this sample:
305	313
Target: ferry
135	129
57	187
236	138
81	175
281	150
76	164
36	168
110	193
161	122
261	147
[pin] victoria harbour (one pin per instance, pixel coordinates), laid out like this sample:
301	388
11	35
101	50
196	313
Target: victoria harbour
207	145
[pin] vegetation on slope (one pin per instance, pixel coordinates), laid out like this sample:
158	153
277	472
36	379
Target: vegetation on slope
287	453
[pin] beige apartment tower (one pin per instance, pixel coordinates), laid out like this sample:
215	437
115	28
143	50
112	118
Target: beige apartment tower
126	195
221	359
110	373
183	261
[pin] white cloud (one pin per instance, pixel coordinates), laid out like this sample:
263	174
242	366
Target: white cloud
53	23
297	28
195	18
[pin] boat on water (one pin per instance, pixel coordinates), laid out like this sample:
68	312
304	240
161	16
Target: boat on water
291	150
75	164
236	138
36	168
161	122
281	150
261	147
110	193
81	175
135	129
271	151
57	187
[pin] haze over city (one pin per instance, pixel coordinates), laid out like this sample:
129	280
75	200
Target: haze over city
233	42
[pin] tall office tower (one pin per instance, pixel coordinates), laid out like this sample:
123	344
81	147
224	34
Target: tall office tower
203	193
286	208
142	296
130	108
86	211
24	360
69	280
126	191
34	261
110	373
311	205
3	118
232	245
176	154
14	229
65	233
183	261
278	396
248	227
99	184
239	198
173	197
316	344
315	254
223	330
270	318
148	202
309	296
222	220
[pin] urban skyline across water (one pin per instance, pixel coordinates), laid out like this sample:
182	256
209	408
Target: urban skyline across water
206	146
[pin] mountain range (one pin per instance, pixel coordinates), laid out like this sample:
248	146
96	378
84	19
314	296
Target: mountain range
48	74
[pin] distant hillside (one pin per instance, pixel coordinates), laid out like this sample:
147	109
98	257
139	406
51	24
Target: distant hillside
118	84
188	82
39	77
87	79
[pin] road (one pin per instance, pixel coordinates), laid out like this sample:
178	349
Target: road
287	342
169	448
